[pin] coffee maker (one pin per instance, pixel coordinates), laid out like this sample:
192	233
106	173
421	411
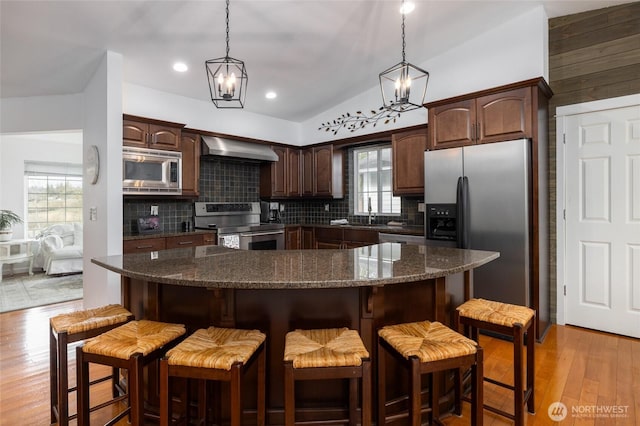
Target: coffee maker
269	212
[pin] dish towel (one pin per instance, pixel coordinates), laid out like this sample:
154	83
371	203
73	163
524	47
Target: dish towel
231	241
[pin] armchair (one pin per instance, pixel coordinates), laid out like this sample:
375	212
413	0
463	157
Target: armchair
61	248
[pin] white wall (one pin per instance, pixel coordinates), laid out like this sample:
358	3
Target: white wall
514	51
200	115
103	128
41	113
15	149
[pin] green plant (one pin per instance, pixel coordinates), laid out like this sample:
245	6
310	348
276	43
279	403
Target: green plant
8	218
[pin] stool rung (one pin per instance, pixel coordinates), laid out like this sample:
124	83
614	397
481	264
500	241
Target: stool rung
108	403
117	418
95	382
497	383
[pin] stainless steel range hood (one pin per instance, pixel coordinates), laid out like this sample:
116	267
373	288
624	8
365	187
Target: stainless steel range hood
230	148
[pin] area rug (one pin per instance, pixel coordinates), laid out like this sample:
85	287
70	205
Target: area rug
39	289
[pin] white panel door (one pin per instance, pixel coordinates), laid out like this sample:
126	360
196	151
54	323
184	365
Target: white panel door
602	178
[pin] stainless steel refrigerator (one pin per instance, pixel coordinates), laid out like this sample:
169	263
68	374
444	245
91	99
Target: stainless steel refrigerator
479	197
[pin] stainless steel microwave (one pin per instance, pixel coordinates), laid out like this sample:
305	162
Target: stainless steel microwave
151	171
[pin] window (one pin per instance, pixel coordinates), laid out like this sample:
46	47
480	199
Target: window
372	182
54	195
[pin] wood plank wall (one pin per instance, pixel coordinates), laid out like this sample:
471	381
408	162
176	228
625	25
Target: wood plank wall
592	56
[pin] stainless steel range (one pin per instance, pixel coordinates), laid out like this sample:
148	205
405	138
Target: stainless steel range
238	225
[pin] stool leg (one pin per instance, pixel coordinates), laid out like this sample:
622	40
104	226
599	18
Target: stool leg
115	377
415	388
63	380
165	403
366	393
477	387
353	401
518	399
53	374
82	393
457	389
136	390
203	399
236	399
531	343
381	385
262	368
289	395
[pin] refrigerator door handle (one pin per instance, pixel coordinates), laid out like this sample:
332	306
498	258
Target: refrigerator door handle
462	212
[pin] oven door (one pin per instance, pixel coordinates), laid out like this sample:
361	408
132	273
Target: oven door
266	240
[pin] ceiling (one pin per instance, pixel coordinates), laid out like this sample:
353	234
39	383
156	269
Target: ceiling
313	53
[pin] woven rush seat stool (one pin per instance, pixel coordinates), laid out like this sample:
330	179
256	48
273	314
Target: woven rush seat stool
130	346
220	354
429	347
321	354
508	320
74	327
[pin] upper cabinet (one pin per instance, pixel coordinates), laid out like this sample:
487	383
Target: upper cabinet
190	148
310	172
143	133
408	162
482	117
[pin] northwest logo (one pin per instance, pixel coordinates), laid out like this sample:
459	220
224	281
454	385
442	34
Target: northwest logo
557	411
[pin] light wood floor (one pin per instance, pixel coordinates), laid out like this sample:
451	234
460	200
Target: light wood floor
578	367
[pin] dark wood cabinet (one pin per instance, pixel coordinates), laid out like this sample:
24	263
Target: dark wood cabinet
148	133
292	237
308	237
144	245
190	148
408	162
486	118
343	238
310	172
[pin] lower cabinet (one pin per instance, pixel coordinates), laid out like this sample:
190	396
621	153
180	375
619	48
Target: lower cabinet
143	245
308	237
343	238
292	237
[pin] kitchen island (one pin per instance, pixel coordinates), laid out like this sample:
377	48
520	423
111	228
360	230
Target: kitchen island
277	291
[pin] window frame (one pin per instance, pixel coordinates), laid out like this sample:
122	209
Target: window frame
355	174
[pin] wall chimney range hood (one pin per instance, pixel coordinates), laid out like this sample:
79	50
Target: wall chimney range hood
212	145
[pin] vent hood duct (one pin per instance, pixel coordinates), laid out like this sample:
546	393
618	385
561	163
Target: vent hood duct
230	148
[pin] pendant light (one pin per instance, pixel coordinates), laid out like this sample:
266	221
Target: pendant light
404	85
227	78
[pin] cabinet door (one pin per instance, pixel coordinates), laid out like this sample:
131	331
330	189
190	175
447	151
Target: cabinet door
294	178
143	245
408	162
279	173
504	116
190	240
323	166
190	147
210	239
452	125
134	133
292	238
307	172
164	137
308	238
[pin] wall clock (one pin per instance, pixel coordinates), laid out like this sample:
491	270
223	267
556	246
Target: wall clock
92	164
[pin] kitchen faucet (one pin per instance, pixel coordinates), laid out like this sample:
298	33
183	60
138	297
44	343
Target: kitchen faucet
370	211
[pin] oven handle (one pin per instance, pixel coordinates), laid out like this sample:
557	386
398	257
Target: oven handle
259	234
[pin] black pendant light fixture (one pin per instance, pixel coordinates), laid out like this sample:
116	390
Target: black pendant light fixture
404	85
227	78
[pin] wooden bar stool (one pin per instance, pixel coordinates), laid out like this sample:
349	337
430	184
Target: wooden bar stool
334	353
428	347
513	321
69	328
221	354
130	346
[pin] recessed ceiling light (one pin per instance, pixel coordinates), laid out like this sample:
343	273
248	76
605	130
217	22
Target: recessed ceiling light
407	7
271	95
180	67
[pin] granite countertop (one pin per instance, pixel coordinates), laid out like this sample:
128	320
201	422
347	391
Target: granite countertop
166	234
220	267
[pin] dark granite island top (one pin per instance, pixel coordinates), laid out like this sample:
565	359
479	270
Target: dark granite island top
277	291
219	267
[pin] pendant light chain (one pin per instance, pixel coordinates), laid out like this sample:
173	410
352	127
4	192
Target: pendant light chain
403	42
227	28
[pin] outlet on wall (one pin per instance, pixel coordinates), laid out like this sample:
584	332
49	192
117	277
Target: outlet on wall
154	210
326	207
421	207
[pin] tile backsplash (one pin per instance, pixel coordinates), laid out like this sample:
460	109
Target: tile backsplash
223	179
